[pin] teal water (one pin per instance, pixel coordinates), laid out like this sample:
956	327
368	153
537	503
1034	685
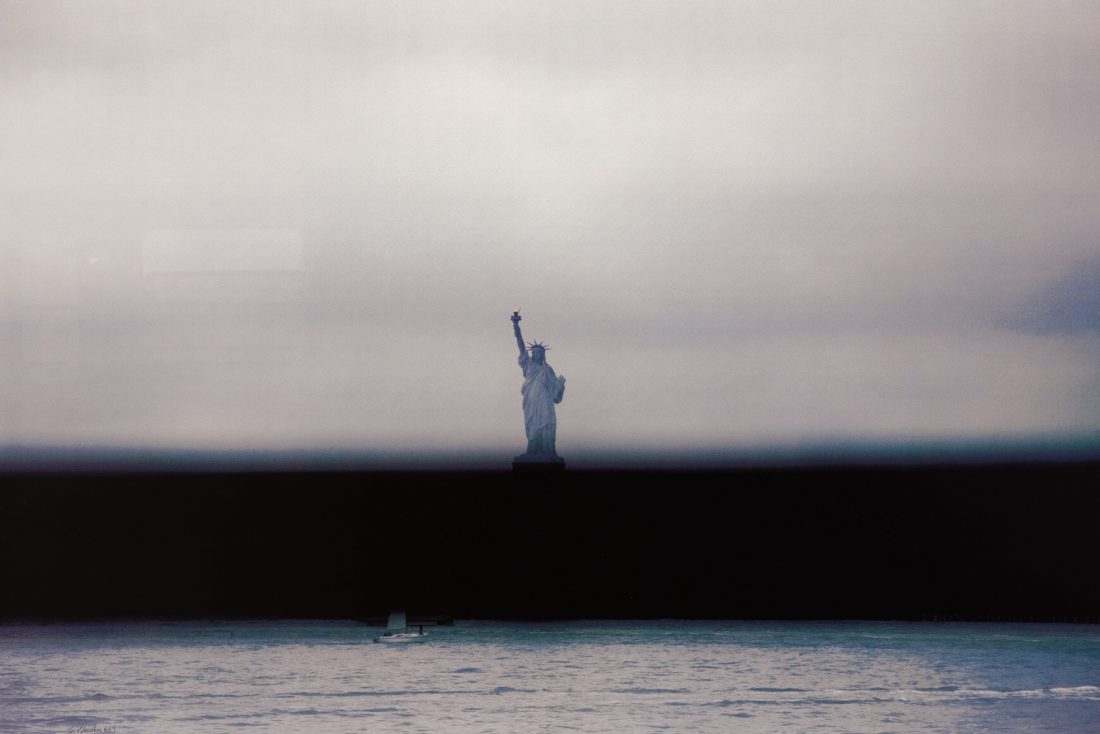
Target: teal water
310	676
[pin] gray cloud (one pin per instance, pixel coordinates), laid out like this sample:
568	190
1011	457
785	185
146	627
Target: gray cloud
1071	305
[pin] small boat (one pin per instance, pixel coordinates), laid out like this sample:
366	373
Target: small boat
398	631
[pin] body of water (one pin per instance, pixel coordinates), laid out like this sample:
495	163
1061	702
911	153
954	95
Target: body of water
607	676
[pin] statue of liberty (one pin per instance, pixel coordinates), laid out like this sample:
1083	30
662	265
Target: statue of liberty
542	389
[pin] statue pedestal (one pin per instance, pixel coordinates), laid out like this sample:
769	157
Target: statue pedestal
538	464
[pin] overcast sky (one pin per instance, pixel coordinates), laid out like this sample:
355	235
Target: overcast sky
300	225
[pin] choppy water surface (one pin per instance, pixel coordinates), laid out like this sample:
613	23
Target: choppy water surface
308	676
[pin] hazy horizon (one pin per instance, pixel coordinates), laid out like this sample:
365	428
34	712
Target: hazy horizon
284	226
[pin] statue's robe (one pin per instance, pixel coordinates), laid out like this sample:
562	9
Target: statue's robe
541	390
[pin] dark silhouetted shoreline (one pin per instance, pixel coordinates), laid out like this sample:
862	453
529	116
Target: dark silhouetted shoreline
966	542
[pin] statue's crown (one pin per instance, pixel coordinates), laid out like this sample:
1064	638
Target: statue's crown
538	345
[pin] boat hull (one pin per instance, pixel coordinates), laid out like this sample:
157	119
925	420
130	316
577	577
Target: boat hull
402	638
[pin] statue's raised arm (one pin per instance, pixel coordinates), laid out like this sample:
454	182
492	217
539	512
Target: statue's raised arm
519	334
